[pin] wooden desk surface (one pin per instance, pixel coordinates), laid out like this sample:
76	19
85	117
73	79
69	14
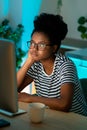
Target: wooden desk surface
54	120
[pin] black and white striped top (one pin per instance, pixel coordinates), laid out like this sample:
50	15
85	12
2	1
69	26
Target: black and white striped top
49	85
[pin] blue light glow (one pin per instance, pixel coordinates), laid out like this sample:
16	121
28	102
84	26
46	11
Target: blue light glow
30	9
6	7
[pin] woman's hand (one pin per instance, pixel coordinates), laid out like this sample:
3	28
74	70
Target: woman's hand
24	97
30	58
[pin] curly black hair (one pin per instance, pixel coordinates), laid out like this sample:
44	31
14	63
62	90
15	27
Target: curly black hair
51	25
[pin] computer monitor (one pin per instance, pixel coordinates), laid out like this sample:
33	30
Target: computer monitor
8	81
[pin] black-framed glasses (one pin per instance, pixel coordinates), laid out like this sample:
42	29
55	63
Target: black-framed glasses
39	46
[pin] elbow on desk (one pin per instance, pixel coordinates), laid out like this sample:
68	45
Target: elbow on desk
64	108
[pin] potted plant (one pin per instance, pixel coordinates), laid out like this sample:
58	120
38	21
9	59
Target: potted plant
7	32
82	27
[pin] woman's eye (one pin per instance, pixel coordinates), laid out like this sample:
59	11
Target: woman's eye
42	45
32	44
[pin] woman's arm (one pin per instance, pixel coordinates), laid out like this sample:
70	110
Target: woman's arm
26	81
22	79
63	103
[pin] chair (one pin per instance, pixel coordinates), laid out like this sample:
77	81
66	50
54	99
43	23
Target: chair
84	86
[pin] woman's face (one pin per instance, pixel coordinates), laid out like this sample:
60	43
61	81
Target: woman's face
41	49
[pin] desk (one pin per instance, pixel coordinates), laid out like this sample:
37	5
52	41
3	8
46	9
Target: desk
54	120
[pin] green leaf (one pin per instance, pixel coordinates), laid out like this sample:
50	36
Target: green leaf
6	31
83	35
82	29
86	35
82	20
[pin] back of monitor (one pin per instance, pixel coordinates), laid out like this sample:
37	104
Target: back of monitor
8	83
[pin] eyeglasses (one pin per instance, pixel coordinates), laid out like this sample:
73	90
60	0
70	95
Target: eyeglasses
39	46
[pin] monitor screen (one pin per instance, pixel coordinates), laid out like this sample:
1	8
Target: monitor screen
8	82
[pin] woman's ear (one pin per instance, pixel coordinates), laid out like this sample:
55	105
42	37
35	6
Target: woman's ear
55	48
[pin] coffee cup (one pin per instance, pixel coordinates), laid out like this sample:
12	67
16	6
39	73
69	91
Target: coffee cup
36	112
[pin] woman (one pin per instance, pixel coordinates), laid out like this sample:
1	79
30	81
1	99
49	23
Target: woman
54	75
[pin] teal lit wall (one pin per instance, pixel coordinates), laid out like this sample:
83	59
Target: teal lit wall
30	8
4	8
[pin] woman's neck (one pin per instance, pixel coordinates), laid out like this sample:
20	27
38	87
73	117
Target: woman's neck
48	65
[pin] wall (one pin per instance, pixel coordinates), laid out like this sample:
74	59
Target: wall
49	6
29	10
71	10
4	7
15	12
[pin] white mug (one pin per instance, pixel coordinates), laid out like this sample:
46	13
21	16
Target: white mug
36	112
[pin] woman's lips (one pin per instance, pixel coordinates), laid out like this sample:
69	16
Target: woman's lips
34	54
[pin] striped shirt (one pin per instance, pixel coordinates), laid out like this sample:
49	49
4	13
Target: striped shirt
64	71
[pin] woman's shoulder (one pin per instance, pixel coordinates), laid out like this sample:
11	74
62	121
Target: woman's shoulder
63	59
